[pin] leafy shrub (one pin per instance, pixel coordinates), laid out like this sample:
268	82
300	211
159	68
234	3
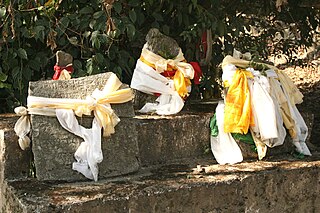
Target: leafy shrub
107	35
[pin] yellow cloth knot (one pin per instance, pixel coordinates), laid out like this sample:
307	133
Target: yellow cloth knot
98	103
183	71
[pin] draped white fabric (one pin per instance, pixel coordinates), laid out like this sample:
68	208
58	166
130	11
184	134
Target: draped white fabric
270	101
146	80
89	153
263	109
224	147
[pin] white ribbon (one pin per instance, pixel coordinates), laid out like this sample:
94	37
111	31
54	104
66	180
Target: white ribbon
146	80
22	127
89	153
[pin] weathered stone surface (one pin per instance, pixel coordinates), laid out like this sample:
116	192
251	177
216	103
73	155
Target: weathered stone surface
277	185
14	162
166	138
161	44
54	149
63	59
78	88
140	99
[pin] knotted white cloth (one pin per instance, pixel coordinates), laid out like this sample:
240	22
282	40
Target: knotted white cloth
89	153
149	80
146	80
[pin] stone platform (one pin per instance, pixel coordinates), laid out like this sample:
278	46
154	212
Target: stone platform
276	184
170	172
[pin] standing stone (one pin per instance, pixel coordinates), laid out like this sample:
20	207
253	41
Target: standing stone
54	147
164	46
161	44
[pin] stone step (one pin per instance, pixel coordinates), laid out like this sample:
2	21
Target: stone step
276	184
138	141
141	141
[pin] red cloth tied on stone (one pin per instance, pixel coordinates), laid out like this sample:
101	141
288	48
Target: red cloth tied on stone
197	72
59	69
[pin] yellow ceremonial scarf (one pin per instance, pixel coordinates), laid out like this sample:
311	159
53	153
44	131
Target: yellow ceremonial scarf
180	81
238	113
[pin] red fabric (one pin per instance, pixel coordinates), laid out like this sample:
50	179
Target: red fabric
168	73
197	72
59	69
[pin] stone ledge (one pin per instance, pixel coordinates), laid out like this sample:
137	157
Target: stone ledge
166	138
281	184
144	140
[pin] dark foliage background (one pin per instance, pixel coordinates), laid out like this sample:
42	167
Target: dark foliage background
107	35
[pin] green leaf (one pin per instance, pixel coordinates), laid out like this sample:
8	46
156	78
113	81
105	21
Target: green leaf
95	40
3	11
98	14
3	77
92	23
5	85
157	16
166	29
22	53
27	73
16	73
117	70
86	10
132	16
221	28
86	34
34	65
99	58
190	8
179	18
131	31
117	7
73	40
77	64
134	3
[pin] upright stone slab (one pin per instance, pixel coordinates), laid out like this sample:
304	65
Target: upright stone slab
54	147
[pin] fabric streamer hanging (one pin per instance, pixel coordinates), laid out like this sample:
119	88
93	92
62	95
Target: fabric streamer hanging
89	153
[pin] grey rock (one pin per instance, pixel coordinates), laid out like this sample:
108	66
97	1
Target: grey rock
161	44
163	139
14	162
141	98
78	88
63	59
54	149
